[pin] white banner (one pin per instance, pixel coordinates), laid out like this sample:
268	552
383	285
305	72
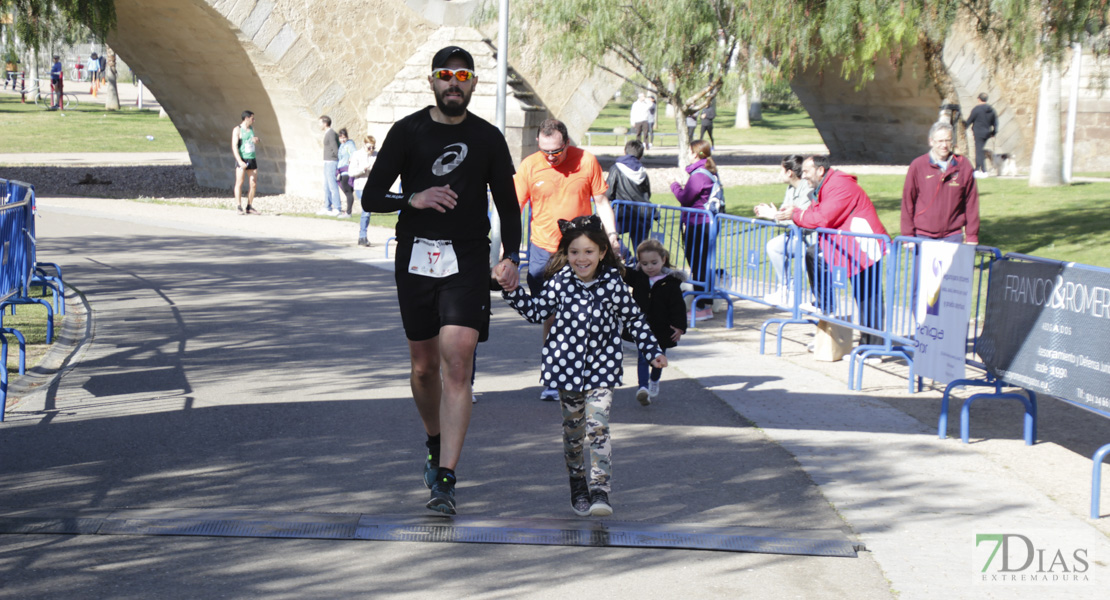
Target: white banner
943	309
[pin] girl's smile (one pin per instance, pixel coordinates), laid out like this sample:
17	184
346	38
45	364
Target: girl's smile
583	255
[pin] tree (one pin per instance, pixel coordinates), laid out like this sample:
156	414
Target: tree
111	97
46	25
40	22
861	31
681	49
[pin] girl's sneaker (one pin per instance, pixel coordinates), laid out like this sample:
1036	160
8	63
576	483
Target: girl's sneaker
652	389
599	504
579	496
643	396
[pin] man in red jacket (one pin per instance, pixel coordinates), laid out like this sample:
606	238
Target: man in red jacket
940	200
840	203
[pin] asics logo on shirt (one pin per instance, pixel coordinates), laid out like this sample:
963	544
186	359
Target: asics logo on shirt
452	157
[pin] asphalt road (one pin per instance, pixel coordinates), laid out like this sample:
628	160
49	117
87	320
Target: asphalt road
227	372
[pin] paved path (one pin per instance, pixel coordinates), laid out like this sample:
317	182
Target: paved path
232	366
258	363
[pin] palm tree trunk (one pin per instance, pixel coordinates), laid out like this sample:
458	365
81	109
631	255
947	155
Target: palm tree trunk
111	97
1047	167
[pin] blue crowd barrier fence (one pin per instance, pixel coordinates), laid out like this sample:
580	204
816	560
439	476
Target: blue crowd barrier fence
1091	302
689	236
15	270
847	273
757	261
23	194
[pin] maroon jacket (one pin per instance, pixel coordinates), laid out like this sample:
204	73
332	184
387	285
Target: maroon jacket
936	205
842	204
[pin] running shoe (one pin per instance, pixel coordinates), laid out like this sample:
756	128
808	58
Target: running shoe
252	211
443	496
599	504
643	396
579	496
549	395
653	388
431	467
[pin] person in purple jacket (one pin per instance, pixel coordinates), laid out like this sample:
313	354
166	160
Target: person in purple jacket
695	227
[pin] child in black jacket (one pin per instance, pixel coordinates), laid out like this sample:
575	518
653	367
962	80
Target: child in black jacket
655	288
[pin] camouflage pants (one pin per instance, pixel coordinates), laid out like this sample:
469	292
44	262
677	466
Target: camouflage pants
586	415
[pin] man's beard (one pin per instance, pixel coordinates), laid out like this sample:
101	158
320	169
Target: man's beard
452	110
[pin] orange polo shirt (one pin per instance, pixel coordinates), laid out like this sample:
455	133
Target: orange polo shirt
562	192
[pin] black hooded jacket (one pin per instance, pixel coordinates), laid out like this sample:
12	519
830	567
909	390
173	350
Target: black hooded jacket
983	121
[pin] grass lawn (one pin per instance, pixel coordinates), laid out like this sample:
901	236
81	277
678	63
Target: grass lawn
85	128
777	127
1067	223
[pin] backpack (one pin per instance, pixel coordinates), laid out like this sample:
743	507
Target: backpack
716	202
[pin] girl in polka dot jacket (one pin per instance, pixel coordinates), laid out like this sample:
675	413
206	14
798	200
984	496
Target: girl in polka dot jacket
582	356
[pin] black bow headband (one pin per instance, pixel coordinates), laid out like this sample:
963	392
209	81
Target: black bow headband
590	223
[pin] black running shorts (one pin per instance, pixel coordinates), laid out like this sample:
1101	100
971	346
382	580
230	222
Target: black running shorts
252	164
429	303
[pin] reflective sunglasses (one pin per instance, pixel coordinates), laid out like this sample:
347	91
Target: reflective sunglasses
447	74
556	152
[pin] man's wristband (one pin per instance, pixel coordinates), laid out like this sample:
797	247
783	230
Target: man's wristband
410	200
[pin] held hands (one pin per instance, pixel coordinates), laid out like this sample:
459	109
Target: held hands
676	334
660	362
439	198
506	275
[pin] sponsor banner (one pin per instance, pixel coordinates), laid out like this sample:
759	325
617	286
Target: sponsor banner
943	309
1046	330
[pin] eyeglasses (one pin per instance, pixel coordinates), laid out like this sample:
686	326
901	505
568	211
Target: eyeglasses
556	152
447	74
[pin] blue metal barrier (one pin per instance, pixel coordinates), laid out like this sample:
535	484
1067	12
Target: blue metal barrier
745	269
689	235
15	269
23	244
985	257
847	277
1029	400
899	283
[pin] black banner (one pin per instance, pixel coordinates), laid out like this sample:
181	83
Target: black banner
1047	329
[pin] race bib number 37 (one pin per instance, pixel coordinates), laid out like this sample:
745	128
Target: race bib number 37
433	258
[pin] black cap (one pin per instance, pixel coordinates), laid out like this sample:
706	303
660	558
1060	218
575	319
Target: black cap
441	57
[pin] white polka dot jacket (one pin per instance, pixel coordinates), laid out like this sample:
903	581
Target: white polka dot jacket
583	350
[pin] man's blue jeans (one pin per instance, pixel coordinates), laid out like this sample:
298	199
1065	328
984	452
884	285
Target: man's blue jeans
364	220
333	200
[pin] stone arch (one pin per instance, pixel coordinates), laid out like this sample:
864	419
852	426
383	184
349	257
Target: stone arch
208	60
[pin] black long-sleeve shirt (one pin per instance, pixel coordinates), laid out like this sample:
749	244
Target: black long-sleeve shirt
470	157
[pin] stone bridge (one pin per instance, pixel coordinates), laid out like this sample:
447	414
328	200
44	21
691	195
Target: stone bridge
365	65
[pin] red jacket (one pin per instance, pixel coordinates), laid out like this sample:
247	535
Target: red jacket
937	205
842	204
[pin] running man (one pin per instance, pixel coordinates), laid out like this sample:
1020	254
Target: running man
446	158
243	142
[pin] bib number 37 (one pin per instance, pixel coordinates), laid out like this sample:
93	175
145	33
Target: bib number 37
433	258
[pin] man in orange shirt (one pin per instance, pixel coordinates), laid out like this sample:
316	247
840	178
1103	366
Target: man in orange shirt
559	181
